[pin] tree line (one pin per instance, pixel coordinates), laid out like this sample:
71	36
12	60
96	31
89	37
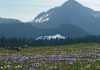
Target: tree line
29	42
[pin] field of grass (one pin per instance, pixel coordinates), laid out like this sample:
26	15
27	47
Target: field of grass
83	56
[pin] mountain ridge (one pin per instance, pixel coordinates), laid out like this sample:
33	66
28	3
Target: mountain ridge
70	20
70	12
9	20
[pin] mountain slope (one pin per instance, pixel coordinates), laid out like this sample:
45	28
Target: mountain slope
67	30
29	31
70	12
18	30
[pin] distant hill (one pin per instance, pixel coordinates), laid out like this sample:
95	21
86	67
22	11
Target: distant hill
29	31
17	30
9	21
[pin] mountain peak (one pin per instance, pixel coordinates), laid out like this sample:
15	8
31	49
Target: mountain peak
72	3
71	0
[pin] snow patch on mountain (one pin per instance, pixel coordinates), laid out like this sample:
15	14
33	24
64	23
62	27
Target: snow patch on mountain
42	19
57	36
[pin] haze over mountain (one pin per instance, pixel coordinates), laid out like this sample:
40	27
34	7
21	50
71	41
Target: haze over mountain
70	20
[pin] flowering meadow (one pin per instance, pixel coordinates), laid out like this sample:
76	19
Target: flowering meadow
68	57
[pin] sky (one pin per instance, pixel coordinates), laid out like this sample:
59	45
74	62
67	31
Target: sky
26	10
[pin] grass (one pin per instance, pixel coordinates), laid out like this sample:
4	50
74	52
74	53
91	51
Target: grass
83	56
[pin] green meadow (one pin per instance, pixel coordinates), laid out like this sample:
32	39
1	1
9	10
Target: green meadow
83	56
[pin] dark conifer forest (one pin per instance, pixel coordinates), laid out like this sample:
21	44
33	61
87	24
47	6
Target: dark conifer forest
29	42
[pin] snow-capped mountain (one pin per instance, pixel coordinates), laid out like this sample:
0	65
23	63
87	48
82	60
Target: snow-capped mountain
71	12
57	36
